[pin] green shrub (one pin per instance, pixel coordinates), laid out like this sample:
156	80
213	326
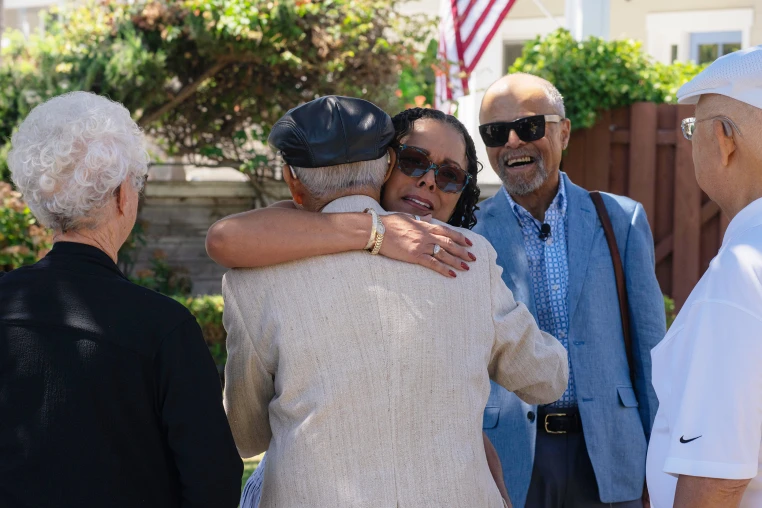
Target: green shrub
164	278
207	78
208	312
669	309
22	240
598	75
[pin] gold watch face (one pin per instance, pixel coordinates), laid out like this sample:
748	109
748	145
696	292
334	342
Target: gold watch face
380	228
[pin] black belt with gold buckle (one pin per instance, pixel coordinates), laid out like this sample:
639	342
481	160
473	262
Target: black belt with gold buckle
560	420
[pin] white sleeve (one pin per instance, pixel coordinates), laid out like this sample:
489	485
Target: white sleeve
717	395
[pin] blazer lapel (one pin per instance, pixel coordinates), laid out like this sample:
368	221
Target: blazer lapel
503	231
582	225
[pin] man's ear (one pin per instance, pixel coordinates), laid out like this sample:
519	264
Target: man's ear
725	140
294	184
392	155
565	132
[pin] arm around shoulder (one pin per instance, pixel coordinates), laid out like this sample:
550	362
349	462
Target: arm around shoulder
279	234
525	360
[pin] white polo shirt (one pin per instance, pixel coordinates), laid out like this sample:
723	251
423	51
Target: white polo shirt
707	373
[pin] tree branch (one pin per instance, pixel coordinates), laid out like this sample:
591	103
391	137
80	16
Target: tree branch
151	116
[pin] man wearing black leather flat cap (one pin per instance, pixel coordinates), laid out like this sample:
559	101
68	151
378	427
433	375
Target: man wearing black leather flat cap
365	378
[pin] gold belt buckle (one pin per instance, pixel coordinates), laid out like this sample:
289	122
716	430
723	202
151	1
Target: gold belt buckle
546	424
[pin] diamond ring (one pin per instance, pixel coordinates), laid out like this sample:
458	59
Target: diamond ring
417	217
437	249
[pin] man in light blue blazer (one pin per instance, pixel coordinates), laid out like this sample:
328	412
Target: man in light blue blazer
589	448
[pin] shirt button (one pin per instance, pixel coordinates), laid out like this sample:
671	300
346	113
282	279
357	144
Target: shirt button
549	241
556	287
561	335
530	416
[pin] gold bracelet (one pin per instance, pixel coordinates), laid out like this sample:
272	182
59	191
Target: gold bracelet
379	241
373	230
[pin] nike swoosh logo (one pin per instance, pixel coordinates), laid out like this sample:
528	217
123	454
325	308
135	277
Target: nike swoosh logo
683	440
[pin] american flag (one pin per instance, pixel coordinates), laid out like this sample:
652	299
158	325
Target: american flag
466	27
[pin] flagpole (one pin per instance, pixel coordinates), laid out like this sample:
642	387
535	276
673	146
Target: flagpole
547	13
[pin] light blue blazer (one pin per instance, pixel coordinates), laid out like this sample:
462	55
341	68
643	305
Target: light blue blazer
616	422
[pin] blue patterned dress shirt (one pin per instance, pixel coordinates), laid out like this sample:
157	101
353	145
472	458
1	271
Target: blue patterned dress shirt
549	269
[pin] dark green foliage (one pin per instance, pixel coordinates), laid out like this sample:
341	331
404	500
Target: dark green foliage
206	78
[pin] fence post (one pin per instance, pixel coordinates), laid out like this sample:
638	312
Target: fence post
598	154
687	223
642	171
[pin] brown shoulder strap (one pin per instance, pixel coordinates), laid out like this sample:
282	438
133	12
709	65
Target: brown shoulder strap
621	285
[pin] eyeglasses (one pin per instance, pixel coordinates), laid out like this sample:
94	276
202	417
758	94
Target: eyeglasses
530	128
414	162
688	125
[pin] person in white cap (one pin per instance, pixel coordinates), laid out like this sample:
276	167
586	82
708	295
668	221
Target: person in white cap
707	372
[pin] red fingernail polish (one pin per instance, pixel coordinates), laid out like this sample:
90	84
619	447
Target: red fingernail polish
464	266
473	258
469	242
452	274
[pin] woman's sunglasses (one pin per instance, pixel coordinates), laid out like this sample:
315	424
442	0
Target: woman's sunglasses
414	162
530	128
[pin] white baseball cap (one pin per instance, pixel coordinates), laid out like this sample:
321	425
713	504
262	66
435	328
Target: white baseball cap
737	75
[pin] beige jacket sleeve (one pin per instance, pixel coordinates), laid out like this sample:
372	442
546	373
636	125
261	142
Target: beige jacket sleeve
249	386
525	360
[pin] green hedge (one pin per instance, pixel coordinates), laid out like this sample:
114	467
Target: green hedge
208	312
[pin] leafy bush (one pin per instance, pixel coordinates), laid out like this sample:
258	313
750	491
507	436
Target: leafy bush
417	83
22	240
669	309
163	277
208	312
597	75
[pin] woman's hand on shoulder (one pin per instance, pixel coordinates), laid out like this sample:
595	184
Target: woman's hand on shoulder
413	241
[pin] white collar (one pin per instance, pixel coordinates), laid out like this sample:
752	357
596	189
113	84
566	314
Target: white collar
357	203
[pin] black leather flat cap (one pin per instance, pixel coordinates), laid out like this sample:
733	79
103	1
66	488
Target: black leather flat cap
332	130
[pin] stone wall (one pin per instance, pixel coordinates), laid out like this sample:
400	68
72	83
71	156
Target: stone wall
178	215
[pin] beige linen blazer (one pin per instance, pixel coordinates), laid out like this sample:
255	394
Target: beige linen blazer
365	378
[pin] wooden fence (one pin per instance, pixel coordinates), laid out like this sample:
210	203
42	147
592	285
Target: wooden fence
640	152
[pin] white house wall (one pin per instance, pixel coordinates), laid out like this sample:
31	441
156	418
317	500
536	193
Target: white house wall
666	29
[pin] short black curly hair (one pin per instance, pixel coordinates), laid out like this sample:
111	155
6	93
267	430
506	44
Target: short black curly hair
464	215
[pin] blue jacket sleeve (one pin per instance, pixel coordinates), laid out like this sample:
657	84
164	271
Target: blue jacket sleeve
647	317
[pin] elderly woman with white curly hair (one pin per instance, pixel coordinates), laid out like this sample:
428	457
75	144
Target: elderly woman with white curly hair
108	394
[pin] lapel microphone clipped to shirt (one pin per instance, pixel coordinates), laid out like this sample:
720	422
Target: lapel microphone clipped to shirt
544	231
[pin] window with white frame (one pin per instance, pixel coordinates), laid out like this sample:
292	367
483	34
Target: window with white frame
698	35
709	46
511	51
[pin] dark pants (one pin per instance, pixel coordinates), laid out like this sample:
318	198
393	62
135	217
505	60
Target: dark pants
563	476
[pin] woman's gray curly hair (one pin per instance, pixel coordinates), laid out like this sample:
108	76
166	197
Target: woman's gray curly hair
71	154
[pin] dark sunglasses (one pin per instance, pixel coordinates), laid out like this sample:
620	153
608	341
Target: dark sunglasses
414	162
530	128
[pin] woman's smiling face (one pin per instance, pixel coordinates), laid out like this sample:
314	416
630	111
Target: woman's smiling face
421	196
